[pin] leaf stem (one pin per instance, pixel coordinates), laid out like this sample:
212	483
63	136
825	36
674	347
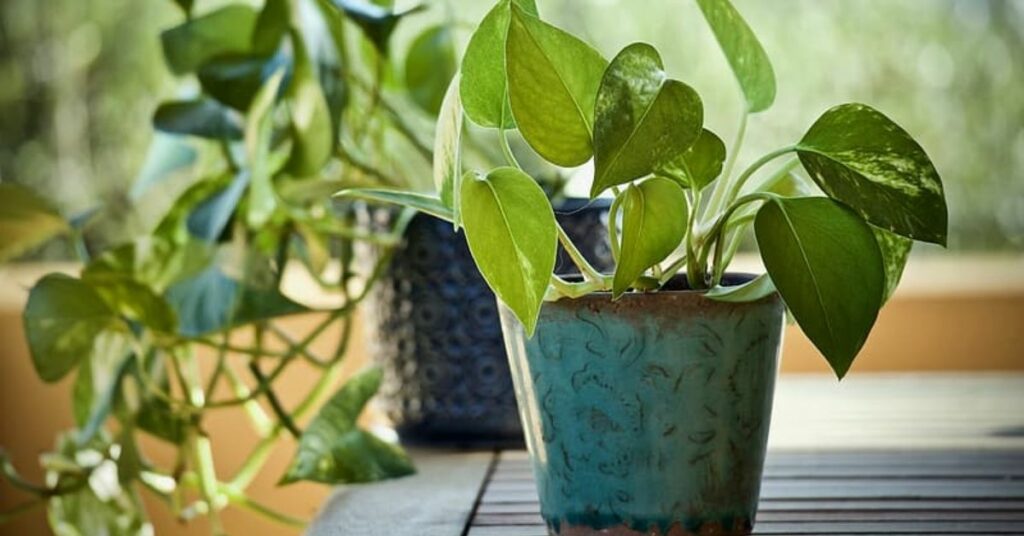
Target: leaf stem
734	190
275	403
244	501
578	259
717	200
506	150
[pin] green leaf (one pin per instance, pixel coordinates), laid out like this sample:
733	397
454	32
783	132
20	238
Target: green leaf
430	66
311	118
644	119
423	203
129	461
213	301
234	80
155	415
334	450
185	5
751	291
271	26
205	118
513	237
826	264
26	221
62	319
747	58
859	156
895	252
133	300
152	260
553	79
447	149
700	165
224	31
377	22
483	86
654	216
103	369
258	132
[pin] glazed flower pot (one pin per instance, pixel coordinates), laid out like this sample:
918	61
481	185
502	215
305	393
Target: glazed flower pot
434	328
648	415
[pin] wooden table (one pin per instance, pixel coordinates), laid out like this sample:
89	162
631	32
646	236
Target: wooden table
936	454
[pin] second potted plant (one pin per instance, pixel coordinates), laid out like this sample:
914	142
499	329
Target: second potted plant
646	393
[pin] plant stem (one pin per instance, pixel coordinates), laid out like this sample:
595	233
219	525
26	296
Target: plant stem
506	149
566	289
578	259
734	190
208	486
260	421
244	501
721	187
714	236
275	403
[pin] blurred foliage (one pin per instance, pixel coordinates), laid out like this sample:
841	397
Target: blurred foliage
81	79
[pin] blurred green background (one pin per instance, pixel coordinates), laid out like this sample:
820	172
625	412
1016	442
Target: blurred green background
79	80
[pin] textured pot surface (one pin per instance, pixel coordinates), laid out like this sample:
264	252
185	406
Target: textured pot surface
434	328
650	414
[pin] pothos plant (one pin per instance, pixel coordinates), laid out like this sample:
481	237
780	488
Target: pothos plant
291	103
834	253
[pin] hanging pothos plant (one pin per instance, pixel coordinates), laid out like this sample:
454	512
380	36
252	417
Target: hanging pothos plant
835	253
291	105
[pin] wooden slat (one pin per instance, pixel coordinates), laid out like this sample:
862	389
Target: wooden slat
828	493
437	501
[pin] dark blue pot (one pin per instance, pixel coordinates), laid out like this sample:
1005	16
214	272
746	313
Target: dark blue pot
434	328
647	415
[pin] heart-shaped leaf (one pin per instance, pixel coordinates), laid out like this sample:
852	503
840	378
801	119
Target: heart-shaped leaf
553	79
205	118
654	216
26	221
644	120
826	264
447	149
747	58
271	26
334	450
513	237
228	30
859	156
895	252
700	165
311	118
62	319
483	86
429	67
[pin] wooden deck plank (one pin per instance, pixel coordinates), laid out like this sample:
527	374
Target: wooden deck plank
437	501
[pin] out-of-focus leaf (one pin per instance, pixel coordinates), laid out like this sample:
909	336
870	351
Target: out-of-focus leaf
271	26
129	461
234	80
155	415
334	450
228	30
311	117
376	21
167	154
747	58
153	261
133	300
258	132
26	221
430	66
862	158
100	376
62	318
204	118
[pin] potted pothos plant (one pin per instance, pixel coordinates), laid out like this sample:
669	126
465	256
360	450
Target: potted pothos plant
174	311
646	392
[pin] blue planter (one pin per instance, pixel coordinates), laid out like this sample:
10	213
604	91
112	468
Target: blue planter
434	328
650	414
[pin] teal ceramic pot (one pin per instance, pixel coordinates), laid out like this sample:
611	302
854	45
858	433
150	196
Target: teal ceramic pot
647	415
